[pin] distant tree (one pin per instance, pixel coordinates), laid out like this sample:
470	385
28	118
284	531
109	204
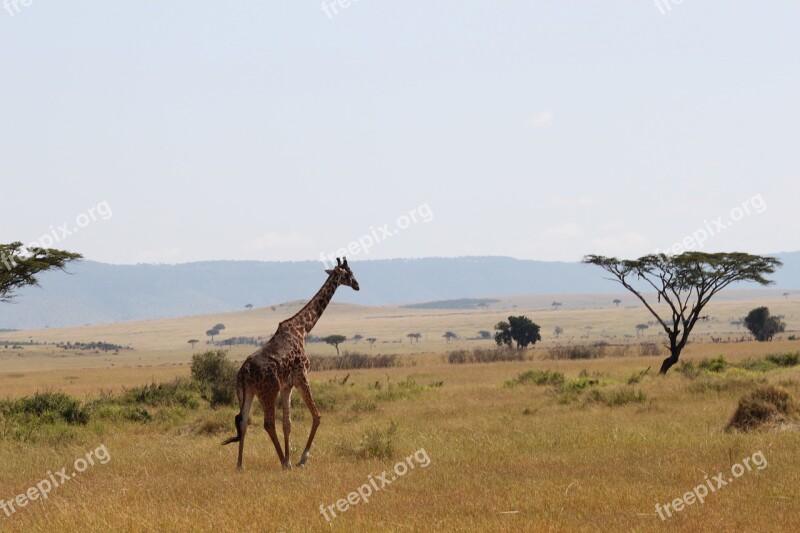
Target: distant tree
371	341
556	305
762	325
483	334
335	341
273	307
519	329
212	333
19	266
786	295
685	284
558	331
192	342
640	328
248	306
357	338
616	301
414	337
738	323
448	336
483	305
219	327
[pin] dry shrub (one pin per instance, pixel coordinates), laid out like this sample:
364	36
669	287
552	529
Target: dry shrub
649	348
486	355
578	351
353	360
765	405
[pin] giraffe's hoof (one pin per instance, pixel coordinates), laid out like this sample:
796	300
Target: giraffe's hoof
301	464
287	466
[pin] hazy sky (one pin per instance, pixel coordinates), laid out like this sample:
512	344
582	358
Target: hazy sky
188	130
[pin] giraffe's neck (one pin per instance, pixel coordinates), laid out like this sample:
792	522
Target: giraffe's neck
308	316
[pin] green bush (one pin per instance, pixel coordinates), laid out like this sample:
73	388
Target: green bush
406	388
178	392
215	375
537	377
757	365
716	364
47	407
618	397
787	359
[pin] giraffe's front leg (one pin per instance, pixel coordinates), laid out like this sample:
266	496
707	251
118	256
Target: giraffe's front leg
305	391
286	402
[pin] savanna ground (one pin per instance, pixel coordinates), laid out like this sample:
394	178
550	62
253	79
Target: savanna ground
594	451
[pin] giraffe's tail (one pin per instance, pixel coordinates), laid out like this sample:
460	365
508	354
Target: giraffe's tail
240	392
238	436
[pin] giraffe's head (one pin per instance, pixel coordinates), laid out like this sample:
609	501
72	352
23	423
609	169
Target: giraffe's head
343	275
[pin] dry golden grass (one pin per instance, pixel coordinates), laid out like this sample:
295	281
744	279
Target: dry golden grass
502	458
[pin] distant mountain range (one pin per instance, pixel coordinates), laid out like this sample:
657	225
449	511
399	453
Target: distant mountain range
101	293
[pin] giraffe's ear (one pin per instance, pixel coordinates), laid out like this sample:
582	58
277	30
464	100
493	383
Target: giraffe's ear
328	272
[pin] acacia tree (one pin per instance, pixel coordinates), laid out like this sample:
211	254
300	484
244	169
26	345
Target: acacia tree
763	325
616	301
684	284
335	341
414	337
19	266
519	329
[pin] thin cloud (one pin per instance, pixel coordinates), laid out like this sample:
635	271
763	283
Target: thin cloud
543	119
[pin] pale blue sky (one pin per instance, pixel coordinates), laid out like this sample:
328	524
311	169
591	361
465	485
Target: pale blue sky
267	130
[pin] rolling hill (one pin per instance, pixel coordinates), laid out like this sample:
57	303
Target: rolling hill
100	293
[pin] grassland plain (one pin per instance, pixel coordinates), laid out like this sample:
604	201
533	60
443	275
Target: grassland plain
503	458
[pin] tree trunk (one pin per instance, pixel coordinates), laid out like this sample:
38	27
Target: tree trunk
675	352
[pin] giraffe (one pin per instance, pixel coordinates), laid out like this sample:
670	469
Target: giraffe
282	365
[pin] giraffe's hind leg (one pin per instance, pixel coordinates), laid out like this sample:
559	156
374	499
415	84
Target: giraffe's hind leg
241	420
267	399
301	383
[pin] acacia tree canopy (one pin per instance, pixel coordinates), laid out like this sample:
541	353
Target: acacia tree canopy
335	341
763	325
519	329
19	267
684	284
